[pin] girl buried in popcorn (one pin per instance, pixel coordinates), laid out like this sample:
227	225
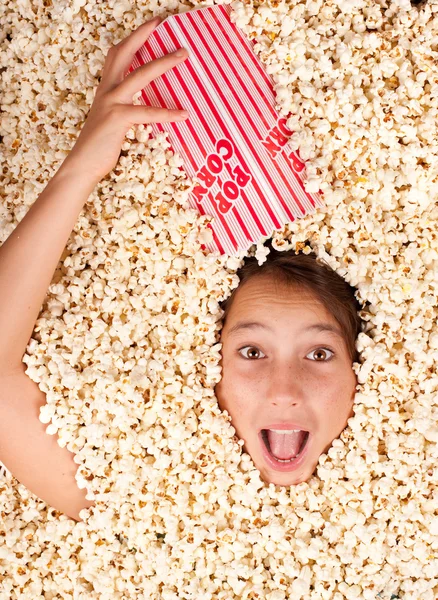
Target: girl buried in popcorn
289	329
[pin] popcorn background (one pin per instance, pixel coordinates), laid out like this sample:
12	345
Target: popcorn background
127	343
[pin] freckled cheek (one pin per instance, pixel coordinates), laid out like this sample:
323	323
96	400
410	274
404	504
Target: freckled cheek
235	392
338	402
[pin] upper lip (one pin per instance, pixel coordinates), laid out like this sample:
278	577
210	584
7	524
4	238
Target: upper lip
285	426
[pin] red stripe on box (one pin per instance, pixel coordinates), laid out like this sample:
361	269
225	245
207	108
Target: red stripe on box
154	87
138	61
169	86
221	62
189	98
247	46
249	49
271	169
261	197
222	12
236	120
220	122
215	114
223	23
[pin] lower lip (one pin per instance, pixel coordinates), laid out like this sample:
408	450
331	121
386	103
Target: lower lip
284	467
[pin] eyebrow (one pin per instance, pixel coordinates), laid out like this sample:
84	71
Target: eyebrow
319	327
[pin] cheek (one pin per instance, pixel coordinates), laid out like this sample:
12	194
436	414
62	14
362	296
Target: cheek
339	400
233	392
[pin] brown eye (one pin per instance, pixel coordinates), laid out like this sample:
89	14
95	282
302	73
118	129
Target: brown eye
322	353
253	351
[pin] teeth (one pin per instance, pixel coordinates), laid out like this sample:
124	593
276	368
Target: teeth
285	432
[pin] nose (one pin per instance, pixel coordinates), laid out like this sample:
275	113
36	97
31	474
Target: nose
287	386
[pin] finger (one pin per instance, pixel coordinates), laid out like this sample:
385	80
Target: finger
151	114
120	56
141	77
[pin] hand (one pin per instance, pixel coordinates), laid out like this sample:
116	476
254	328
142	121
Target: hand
97	149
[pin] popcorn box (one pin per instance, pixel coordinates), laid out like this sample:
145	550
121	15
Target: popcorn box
234	144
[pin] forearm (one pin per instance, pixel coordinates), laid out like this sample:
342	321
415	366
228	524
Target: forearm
29	257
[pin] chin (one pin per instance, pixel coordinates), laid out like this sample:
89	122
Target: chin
285	481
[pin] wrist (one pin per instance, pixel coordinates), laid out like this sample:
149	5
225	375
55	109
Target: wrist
74	170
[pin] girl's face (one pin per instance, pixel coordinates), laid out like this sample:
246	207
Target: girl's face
284	371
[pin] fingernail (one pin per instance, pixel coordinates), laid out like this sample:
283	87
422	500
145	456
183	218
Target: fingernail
180	52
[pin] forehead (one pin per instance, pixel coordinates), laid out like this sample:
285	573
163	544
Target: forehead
264	293
288	310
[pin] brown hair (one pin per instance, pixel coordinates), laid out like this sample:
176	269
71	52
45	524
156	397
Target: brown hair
306	271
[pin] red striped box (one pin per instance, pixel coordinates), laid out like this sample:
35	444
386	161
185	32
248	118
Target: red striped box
234	143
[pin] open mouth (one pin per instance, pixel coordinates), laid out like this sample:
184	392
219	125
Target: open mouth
264	434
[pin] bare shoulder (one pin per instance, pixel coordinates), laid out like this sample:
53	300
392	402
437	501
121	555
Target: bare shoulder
29	453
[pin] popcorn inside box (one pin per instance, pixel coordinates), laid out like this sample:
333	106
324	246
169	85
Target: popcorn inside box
128	344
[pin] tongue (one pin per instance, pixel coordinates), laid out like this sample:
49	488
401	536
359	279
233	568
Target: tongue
285	446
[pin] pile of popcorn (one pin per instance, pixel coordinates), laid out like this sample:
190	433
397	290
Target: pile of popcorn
127	349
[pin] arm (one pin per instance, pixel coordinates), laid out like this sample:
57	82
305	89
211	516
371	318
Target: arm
27	261
29	257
